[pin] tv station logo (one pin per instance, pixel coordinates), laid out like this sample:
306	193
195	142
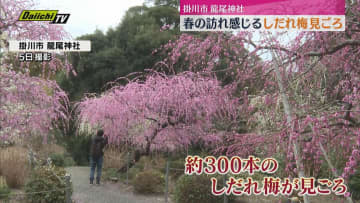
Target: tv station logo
44	15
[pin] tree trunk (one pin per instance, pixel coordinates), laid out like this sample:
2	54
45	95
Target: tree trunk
333	169
147	148
1	14
149	142
288	113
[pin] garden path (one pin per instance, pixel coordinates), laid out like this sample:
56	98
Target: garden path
105	193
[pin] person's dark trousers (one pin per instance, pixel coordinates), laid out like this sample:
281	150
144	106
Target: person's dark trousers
95	163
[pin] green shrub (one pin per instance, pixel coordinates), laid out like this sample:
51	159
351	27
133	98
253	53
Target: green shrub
158	163
45	178
69	161
148	182
144	160
197	188
4	189
133	172
58	159
79	148
175	167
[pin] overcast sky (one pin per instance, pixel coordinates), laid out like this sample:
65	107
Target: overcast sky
87	15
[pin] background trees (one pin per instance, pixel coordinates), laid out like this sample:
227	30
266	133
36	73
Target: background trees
303	93
122	50
308	82
298	101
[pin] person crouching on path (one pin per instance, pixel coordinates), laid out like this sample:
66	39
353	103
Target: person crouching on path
96	155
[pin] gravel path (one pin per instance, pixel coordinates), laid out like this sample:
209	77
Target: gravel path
119	193
105	193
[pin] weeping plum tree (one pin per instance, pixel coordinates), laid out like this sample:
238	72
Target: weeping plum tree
162	112
11	28
220	53
28	104
322	81
309	101
35	30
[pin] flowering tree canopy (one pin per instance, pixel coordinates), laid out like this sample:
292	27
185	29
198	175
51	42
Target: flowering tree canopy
29	105
161	112
11	28
309	99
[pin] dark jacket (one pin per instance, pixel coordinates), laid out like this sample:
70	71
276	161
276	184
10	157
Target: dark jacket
97	146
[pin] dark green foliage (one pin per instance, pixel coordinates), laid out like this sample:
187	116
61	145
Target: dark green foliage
125	49
58	159
62	160
149	182
69	161
79	148
197	188
45	178
77	144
